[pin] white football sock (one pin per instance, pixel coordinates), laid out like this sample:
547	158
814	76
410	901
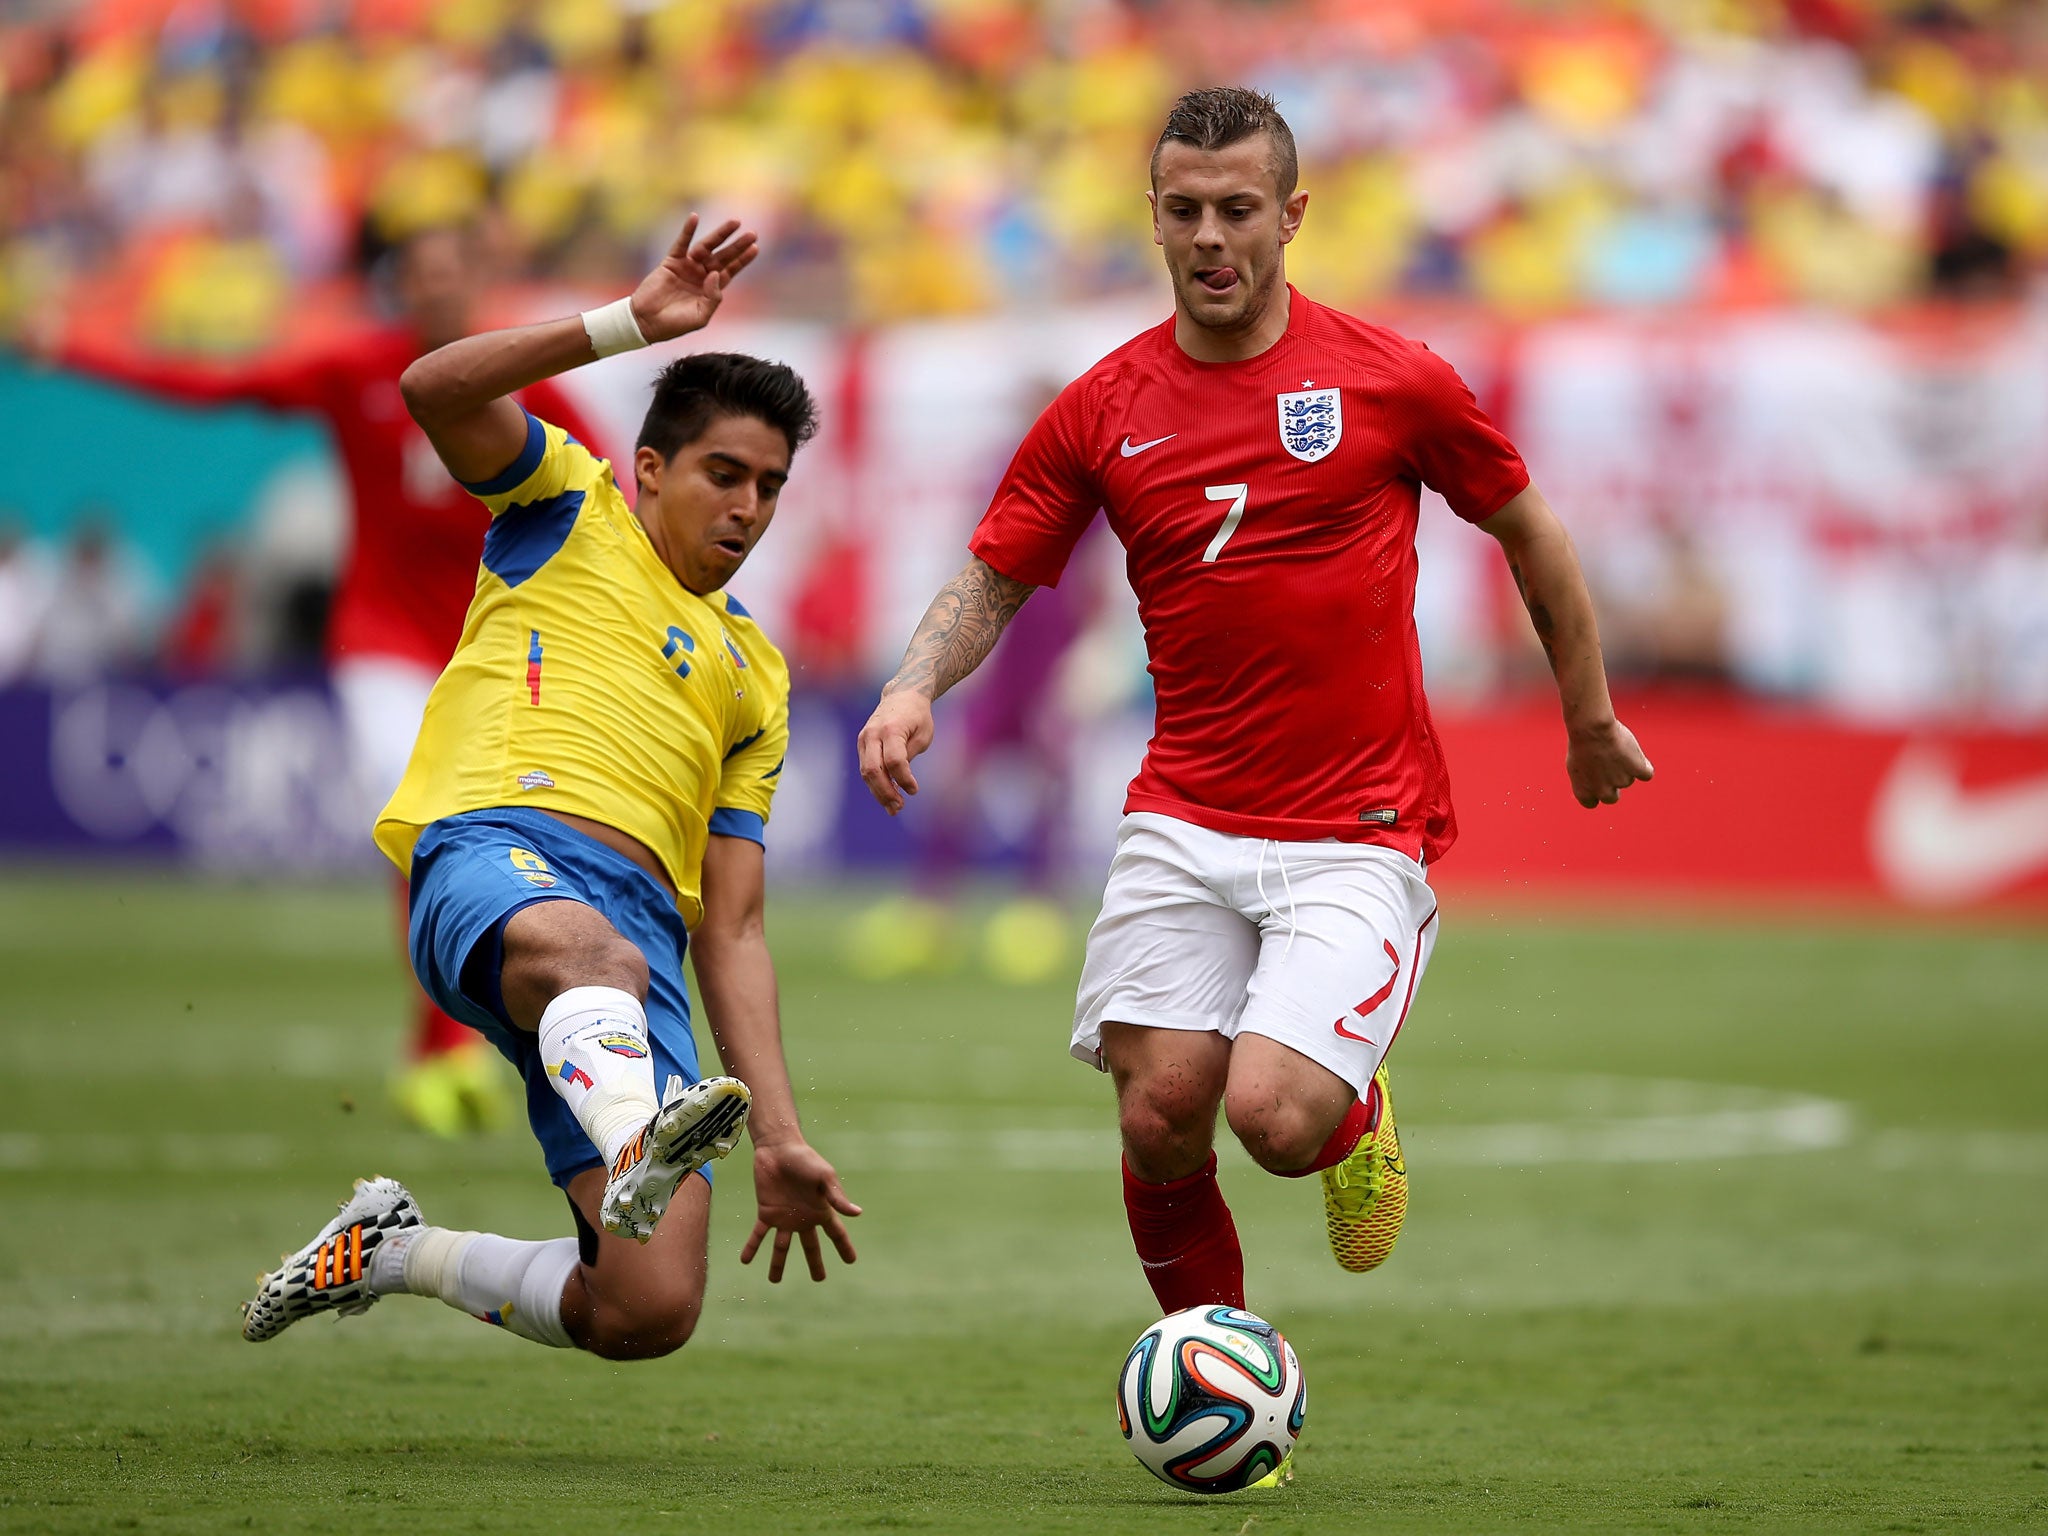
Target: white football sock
517	1285
593	1045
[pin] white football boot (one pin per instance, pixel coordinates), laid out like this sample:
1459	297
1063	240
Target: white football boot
694	1126
331	1273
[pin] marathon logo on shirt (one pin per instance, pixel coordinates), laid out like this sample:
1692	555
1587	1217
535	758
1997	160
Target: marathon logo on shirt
1311	421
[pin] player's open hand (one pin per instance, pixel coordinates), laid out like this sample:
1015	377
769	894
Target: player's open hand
899	729
799	1195
683	293
1603	761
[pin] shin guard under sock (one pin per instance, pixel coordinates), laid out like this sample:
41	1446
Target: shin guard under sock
1186	1239
593	1044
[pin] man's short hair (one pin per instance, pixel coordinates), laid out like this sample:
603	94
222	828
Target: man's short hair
1221	115
694	391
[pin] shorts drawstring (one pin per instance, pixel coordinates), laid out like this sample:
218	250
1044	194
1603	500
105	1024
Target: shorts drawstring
1286	885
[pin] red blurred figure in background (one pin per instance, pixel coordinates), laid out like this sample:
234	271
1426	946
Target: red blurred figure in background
408	576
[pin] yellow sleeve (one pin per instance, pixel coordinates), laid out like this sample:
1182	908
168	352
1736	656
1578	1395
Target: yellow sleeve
550	465
753	765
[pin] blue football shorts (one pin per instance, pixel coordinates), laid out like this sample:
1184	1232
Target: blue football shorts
470	874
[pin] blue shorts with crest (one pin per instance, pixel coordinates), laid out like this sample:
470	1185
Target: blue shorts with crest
470	874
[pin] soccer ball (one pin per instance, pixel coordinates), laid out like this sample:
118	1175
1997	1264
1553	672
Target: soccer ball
1211	1399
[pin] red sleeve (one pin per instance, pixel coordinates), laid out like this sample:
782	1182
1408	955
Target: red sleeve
1452	446
1046	500
288	383
550	402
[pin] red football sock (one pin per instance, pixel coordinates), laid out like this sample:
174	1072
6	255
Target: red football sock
1358	1123
1186	1239
433	1032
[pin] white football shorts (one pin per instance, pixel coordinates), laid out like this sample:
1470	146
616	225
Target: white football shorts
1317	945
382	701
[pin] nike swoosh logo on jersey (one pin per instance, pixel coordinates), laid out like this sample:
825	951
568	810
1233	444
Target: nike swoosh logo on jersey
1935	841
1131	450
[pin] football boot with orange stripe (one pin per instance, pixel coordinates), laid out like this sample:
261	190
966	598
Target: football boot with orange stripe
694	1126
331	1273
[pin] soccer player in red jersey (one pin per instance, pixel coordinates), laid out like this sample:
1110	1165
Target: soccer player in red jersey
1267	914
408	576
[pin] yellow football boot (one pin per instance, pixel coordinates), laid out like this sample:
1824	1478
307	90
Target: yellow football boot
1027	941
896	937
1366	1195
1280	1476
455	1093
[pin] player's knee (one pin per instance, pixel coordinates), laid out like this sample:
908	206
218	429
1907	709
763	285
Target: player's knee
620	961
546	962
1164	1124
1280	1134
645	1327
599	959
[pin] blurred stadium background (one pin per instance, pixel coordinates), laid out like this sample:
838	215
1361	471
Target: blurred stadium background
1757	286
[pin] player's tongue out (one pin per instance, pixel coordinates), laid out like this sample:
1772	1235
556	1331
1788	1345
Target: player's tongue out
1217	279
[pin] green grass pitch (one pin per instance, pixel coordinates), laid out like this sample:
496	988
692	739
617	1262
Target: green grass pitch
1714	1227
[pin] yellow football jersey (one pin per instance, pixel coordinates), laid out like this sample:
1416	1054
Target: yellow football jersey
590	681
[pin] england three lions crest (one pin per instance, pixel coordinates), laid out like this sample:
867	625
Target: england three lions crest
1311	423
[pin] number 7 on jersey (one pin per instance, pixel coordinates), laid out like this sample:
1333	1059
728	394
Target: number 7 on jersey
1236	496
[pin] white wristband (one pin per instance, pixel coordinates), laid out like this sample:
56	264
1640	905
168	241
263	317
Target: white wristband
612	328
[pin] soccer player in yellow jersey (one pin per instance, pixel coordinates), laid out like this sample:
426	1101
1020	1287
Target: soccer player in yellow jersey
588	797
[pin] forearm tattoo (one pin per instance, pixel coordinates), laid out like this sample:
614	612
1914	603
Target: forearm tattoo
959	629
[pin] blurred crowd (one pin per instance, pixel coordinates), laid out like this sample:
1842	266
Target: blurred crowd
68	616
925	157
87	606
199	177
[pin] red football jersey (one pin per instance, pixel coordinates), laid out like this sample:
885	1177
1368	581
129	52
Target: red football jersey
415	534
1267	510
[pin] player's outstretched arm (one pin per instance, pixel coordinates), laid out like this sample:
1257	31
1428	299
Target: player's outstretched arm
1601	758
459	394
958	631
796	1190
289	383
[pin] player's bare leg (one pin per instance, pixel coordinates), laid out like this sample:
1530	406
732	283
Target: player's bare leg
572	979
555	945
639	1300
617	1298
1282	1106
1169	1083
581	987
569	977
1296	1117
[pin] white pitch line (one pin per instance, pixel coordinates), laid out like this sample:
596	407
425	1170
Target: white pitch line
1807	1125
171	1152
1962	1151
1795	1124
1800	1125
